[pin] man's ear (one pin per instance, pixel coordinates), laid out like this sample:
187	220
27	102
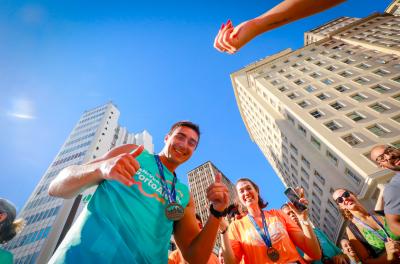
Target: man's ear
3	216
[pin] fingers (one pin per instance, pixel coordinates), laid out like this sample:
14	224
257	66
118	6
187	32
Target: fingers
223	40
137	151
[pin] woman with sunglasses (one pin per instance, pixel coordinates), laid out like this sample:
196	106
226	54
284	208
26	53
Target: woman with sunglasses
265	236
367	231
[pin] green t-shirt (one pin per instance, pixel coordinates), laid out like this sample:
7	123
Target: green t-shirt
6	257
377	244
124	224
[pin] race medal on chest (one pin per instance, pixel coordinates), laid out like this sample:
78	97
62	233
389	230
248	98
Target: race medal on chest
273	254
174	211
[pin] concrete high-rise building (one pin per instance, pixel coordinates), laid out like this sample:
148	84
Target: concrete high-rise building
317	111
48	218
199	179
394	8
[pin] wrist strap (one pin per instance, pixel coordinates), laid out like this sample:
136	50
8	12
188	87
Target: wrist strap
216	213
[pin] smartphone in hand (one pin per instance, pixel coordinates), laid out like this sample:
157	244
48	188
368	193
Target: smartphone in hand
294	199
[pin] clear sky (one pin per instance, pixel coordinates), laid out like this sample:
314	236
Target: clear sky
153	59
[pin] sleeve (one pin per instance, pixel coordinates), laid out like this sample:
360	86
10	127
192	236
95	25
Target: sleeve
234	238
392	199
290	225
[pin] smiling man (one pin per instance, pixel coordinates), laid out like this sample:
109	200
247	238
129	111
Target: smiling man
388	157
138	204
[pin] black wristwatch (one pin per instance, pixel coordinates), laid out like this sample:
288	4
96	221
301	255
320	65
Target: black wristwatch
216	213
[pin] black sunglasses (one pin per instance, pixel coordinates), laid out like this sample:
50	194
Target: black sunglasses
340	199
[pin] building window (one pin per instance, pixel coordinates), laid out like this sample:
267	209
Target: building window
303	104
363	66
348	61
335	57
305	173
289	76
290	118
295	65
293	148
381	72
337	105
359	97
302	130
281	71
379	107
319	177
355	116
332	158
304	69
316	114
283	88
293	95
397	97
380	88
299	82
396	118
351	140
341	88
310	88
331	68
333	125
396	79
327	81
305	161
315	142
323	96
315	74
316	187
275	82
319	63
346	73
361	80
352	176
378	130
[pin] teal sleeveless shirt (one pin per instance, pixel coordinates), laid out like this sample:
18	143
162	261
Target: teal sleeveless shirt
124	224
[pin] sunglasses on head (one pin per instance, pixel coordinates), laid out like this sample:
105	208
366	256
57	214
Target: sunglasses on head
340	199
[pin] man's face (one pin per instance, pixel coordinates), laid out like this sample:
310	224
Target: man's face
347	248
180	144
386	157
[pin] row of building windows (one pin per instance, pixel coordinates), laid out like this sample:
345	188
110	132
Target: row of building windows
42	215
94	111
87	143
40	201
80	132
69	158
91	117
29	238
80	139
28	259
78	128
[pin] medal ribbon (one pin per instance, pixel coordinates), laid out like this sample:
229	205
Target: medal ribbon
384	239
264	235
170	193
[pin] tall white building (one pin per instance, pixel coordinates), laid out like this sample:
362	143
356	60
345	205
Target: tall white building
317	111
48	218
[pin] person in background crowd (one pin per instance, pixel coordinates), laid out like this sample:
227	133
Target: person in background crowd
230	39
368	232
9	228
265	236
388	157
328	248
176	256
137	205
349	251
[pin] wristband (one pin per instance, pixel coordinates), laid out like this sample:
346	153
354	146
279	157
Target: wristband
304	222
216	213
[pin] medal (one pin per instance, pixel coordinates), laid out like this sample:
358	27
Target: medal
273	254
173	211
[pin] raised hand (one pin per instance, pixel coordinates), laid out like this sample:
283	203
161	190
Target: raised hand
302	215
218	194
392	249
122	167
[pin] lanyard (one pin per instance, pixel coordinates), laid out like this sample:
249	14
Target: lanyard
264	235
170	193
384	239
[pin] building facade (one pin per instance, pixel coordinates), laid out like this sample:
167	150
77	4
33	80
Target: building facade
49	218
317	111
199	179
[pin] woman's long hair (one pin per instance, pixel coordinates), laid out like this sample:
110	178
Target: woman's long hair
8	229
261	202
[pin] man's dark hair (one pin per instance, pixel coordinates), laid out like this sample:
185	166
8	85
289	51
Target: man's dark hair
186	123
261	202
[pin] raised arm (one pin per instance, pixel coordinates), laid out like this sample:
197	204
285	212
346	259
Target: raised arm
229	255
118	164
230	39
196	246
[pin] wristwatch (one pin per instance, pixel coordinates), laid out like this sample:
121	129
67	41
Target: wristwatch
216	213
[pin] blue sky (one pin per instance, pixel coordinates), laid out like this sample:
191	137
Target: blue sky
154	60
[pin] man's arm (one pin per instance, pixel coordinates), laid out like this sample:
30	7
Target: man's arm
118	164
394	223
195	245
230	39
